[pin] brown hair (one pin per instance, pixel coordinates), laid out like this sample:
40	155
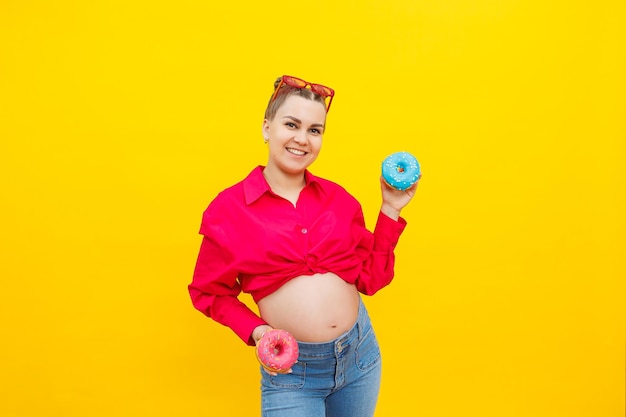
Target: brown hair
287	91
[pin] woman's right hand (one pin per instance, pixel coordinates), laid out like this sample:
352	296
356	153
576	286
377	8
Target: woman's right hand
259	331
257	334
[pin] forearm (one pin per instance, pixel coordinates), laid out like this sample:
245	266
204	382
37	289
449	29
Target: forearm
228	311
378	267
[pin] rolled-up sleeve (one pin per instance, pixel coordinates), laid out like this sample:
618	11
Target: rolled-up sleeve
215	287
376	251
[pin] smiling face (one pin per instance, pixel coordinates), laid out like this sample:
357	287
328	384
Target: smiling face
294	135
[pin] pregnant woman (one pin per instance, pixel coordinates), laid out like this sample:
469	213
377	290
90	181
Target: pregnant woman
298	244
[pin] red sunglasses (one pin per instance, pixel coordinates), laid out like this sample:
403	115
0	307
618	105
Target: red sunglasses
318	89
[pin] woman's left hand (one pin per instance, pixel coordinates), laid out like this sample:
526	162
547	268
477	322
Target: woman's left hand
395	200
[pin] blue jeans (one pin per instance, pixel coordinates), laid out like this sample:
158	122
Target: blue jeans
340	378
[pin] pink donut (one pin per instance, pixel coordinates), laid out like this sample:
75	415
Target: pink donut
277	351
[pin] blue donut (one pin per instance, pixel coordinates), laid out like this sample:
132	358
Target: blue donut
401	170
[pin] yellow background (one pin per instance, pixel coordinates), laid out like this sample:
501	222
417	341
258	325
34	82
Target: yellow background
121	120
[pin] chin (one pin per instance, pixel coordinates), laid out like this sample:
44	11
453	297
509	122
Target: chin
293	170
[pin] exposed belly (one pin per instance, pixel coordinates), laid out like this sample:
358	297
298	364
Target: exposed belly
313	308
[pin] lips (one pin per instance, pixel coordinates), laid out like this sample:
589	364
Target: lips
297	152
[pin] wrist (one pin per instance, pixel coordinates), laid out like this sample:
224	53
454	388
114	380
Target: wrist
259	331
390	212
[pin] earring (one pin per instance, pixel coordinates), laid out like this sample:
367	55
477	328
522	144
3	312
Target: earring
265	140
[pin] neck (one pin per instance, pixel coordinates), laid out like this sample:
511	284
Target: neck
280	179
285	185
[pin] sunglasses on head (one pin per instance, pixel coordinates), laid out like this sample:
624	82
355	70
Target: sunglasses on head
318	89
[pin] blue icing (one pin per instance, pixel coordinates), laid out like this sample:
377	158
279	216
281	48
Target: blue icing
401	170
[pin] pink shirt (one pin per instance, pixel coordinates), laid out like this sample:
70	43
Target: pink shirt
255	241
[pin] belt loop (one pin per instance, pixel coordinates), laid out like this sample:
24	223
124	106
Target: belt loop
360	318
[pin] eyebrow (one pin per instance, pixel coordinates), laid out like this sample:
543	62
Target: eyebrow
295	119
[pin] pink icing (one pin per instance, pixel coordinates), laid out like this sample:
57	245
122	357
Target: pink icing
277	350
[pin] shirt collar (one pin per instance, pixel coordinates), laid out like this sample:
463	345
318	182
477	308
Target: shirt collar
255	185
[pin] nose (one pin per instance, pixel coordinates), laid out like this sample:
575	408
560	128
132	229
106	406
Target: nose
300	137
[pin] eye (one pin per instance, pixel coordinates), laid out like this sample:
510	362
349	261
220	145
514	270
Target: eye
291	125
316	131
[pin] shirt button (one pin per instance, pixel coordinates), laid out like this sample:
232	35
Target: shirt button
304	231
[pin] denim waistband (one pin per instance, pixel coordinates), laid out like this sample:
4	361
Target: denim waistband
360	327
